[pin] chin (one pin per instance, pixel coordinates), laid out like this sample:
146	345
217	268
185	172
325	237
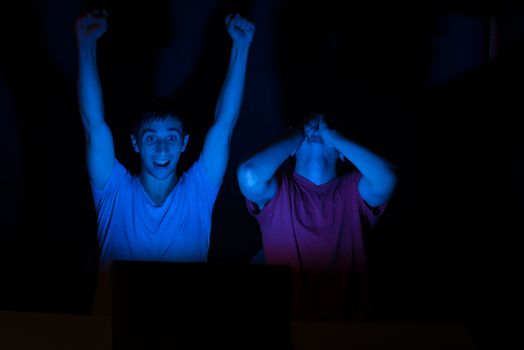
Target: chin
162	174
162	177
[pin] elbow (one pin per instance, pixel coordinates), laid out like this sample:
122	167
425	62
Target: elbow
389	182
247	175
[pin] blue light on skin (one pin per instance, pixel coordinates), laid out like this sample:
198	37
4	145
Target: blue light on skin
160	145
317	157
315	160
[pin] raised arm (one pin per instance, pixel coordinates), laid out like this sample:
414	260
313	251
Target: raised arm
99	141
378	176
256	175
215	152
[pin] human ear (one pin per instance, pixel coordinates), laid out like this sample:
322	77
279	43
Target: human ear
135	144
186	139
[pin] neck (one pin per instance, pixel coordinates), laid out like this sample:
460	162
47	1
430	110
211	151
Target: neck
316	168
157	189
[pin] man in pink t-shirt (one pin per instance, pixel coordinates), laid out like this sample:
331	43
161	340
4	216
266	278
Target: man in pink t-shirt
314	220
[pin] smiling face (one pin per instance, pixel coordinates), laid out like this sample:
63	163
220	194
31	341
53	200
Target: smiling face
160	143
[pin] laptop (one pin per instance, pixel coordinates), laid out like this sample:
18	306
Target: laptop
174	305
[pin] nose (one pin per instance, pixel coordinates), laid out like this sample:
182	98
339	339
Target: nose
162	146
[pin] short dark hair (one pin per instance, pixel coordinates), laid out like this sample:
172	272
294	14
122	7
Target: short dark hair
157	109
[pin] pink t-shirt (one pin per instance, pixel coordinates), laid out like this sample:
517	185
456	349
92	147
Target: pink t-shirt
318	231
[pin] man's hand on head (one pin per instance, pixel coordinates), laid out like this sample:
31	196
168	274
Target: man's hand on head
325	131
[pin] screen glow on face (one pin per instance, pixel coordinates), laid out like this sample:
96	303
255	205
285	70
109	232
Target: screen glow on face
161	143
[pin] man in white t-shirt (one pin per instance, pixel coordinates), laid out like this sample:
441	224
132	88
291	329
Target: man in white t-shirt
156	215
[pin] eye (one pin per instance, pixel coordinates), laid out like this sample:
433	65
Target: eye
150	138
172	138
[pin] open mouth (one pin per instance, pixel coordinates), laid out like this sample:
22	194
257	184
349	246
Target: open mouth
161	163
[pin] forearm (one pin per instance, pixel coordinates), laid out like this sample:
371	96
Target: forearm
230	99
89	88
262	166
375	169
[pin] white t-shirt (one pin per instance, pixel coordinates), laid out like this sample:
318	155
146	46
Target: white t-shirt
132	227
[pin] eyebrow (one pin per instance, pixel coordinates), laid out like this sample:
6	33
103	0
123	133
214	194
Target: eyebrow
155	131
144	131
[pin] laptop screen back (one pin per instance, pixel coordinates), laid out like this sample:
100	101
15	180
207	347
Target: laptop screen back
167	305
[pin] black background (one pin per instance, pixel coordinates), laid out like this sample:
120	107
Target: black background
413	83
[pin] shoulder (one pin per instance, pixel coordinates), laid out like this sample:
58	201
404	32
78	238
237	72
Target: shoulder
351	178
119	176
196	178
195	170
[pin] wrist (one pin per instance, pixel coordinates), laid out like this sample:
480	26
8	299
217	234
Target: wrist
86	46
241	45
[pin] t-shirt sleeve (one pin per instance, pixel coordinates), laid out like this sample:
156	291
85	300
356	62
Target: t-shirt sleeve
105	195
106	198
265	214
370	214
252	208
